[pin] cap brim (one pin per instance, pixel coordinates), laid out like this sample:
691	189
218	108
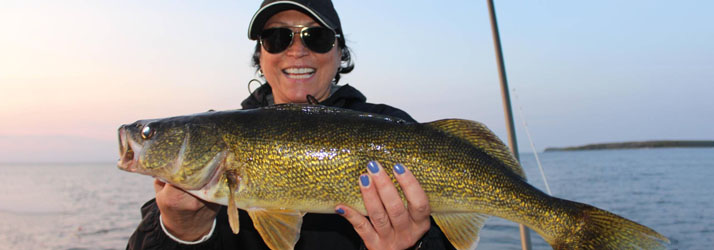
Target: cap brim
264	13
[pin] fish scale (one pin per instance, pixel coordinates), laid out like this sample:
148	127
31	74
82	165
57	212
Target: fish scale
281	161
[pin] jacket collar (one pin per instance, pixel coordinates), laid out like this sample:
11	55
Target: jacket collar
344	95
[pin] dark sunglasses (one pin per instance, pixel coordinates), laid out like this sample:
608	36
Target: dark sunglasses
317	39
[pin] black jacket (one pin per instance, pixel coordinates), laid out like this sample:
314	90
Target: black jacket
319	231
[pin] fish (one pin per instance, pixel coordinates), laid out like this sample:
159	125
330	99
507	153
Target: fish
282	161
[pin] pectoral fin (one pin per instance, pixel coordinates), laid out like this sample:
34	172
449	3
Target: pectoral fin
232	209
461	229
279	228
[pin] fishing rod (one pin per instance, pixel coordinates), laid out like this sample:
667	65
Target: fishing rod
525	233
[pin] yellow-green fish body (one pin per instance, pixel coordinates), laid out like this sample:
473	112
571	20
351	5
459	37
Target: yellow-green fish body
281	161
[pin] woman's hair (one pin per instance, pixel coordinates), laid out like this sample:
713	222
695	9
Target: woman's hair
346	63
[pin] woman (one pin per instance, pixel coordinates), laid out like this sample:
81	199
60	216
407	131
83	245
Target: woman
301	52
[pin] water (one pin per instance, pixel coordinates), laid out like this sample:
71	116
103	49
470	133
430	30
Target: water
69	206
96	206
668	190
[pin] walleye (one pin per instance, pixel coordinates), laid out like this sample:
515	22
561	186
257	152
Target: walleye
282	161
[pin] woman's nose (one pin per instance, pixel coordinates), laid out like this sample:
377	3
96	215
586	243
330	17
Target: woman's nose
297	48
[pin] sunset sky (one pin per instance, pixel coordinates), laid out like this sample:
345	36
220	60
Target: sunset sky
72	71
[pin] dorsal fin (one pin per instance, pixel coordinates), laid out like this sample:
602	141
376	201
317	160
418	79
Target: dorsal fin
322	109
480	136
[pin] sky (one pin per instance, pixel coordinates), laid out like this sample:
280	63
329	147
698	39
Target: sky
71	72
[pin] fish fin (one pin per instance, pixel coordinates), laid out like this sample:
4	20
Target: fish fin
322	109
232	209
233	215
480	136
600	229
461	229
279	228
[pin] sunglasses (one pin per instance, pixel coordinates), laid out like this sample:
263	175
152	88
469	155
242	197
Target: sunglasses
317	39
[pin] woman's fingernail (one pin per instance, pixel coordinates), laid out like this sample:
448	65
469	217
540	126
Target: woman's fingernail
373	167
364	179
340	211
398	168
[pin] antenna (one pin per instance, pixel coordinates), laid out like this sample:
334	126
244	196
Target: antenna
535	152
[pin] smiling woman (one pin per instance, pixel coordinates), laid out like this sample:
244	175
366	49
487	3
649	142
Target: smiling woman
301	52
297	70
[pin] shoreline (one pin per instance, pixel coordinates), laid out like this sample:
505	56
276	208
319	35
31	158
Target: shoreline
637	144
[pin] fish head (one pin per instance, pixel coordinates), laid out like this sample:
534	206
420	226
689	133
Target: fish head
184	151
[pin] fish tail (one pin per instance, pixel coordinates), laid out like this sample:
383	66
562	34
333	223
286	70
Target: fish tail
600	229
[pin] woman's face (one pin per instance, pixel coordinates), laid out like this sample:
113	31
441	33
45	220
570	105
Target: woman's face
297	72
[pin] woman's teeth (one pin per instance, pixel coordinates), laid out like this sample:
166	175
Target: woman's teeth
299	73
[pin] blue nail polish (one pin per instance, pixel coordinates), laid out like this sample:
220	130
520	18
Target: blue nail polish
373	167
398	168
364	179
340	211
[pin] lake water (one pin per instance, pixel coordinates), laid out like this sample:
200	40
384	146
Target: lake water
96	206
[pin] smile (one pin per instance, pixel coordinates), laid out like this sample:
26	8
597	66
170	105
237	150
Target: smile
299	73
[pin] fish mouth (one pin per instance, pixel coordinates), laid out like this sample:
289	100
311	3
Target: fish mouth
127	156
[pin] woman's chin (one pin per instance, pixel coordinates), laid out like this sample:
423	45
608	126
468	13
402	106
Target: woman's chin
300	98
299	94
295	96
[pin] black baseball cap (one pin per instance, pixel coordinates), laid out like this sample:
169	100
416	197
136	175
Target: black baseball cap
321	10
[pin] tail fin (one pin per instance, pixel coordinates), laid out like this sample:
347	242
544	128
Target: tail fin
600	229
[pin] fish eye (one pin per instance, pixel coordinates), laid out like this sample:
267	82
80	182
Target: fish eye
147	132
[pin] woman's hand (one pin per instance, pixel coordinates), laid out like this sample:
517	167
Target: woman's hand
391	225
185	216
